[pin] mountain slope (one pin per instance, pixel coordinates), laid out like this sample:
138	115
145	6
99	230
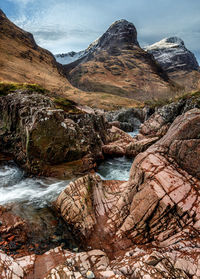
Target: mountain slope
22	60
172	55
175	59
116	64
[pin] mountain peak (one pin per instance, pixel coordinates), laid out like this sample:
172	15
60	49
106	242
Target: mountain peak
167	43
120	22
172	55
121	34
175	40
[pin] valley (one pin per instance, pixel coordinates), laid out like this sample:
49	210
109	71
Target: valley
99	158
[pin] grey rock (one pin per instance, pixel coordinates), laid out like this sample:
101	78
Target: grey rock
172	55
129	119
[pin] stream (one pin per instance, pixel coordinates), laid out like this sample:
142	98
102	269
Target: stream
31	198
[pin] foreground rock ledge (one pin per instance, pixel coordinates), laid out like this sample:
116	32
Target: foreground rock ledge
44	139
159	205
140	262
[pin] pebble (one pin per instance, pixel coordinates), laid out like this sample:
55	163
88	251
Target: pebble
90	275
75	249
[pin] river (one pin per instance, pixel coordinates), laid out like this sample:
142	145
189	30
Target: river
31	199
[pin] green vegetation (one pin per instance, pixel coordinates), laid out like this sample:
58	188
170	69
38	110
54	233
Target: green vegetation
7	88
194	96
154	103
67	105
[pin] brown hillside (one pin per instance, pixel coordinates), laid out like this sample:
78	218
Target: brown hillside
22	60
118	65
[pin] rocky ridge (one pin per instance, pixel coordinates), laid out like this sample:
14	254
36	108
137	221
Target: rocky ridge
172	55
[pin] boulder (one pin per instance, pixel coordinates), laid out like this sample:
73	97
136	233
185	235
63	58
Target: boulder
127	120
159	122
40	136
159	204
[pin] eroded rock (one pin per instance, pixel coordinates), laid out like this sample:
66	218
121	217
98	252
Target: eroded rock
40	136
159	204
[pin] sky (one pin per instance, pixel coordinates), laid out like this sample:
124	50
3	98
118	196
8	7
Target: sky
65	25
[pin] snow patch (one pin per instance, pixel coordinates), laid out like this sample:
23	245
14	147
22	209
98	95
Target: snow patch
172	42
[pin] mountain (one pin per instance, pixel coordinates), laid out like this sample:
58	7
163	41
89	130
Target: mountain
172	55
72	56
175	59
22	60
69	57
116	64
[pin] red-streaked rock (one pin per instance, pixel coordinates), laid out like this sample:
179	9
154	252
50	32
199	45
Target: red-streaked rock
122	144
159	204
144	261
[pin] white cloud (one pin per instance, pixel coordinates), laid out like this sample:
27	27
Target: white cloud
64	25
23	2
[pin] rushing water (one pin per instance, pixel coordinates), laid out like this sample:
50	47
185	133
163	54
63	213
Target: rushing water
31	198
15	187
116	168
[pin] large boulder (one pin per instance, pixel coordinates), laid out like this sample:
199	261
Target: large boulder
159	204
159	122
40	136
128	119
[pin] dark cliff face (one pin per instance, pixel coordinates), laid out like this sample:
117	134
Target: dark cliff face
120	34
172	55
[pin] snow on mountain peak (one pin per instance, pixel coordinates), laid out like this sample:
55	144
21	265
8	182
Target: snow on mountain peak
166	43
172	55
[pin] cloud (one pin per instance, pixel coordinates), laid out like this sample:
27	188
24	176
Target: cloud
22	2
64	25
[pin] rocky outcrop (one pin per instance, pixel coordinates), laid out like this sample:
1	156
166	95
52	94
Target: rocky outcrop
159	122
147	227
159	205
40	136
116	64
118	143
172	55
140	262
155	126
127	120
